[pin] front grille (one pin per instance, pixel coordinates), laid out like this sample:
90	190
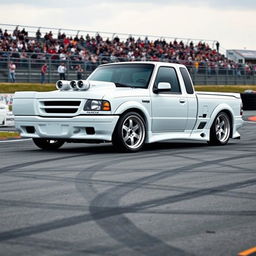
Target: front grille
61	103
59	107
61	110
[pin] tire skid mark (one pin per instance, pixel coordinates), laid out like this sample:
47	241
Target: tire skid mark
77	248
236	194
114	220
109	182
44	227
52	225
88	191
27	164
99	212
99	209
126	232
35	205
207	213
193	194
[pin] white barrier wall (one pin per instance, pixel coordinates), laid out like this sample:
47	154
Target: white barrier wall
7	98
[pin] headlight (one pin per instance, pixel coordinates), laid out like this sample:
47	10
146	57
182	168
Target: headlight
97	105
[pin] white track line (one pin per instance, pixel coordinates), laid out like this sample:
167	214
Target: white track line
250	122
18	140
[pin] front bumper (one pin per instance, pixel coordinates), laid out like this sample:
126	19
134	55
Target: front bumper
79	127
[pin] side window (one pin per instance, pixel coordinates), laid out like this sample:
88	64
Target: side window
187	81
168	74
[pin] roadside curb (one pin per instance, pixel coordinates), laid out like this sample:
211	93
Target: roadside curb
252	118
10	138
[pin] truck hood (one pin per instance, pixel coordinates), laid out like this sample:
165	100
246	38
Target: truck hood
97	90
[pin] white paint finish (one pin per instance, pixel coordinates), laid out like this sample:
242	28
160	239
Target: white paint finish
168	116
66	128
192	111
168	113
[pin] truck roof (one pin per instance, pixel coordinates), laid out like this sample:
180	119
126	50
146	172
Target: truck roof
156	63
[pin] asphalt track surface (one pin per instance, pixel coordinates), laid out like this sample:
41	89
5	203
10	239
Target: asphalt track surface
175	199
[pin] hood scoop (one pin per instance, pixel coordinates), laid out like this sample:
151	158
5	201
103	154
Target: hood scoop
83	85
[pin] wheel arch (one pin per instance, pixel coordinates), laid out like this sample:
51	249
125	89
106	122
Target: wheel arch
138	111
135	107
231	121
118	139
228	110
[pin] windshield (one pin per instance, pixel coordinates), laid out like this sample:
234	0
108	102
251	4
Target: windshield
124	75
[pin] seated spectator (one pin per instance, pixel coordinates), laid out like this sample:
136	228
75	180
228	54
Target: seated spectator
96	50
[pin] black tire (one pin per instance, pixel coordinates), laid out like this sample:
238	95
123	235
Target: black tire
48	144
130	133
220	130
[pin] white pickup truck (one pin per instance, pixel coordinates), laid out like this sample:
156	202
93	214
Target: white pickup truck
130	104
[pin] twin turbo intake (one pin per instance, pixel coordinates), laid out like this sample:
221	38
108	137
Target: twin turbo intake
80	85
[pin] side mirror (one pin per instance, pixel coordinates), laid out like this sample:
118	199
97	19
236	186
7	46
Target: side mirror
162	86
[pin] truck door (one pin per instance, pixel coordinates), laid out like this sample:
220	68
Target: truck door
169	107
191	99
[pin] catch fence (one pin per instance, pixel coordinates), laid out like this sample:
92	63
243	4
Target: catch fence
29	69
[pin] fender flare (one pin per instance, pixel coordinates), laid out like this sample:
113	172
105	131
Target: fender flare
218	109
132	105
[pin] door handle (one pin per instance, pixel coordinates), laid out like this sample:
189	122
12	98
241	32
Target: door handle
182	101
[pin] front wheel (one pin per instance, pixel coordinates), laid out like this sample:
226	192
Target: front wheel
130	133
48	144
220	130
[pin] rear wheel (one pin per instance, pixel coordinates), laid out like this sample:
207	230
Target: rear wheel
220	130
48	144
130	133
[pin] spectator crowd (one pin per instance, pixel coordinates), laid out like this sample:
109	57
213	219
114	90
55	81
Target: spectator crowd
94	50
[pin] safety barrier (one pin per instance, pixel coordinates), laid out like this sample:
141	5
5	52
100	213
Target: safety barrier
249	101
29	70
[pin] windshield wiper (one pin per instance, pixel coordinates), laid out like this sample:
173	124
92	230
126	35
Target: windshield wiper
123	85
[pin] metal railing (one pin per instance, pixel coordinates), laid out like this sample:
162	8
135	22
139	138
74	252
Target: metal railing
111	35
29	70
29	64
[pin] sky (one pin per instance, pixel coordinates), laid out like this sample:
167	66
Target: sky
232	23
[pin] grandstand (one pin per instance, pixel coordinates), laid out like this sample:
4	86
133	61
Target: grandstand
30	47
242	56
